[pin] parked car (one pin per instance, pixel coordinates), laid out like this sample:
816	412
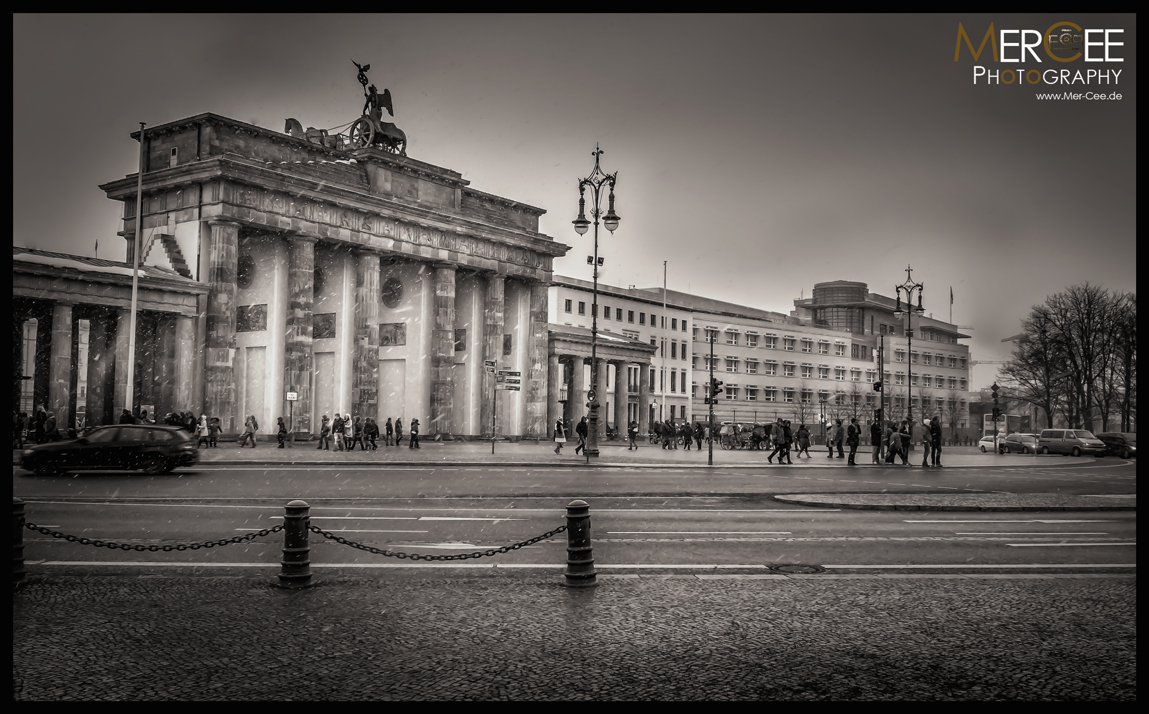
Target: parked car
986	443
1070	441
153	449
1119	443
1019	444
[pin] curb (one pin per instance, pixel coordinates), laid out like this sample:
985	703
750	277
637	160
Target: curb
535	464
909	507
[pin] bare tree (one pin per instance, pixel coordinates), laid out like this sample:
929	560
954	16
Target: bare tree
803	411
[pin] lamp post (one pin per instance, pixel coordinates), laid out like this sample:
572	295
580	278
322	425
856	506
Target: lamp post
595	181
909	287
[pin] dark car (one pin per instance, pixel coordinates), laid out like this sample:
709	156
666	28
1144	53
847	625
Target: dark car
153	449
1119	443
1019	444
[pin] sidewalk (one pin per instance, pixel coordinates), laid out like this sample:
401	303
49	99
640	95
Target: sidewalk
459	453
963	501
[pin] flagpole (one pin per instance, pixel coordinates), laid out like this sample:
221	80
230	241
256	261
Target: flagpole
135	274
662	383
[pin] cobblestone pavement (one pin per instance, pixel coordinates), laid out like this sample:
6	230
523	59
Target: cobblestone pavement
529	638
963	501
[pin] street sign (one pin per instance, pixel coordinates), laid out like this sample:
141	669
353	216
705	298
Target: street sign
507	373
489	366
511	380
292	396
507	387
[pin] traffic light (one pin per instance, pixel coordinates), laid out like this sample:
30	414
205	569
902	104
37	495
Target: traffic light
996	414
715	385
877	386
993	390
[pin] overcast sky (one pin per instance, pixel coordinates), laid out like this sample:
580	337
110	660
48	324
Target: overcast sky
758	155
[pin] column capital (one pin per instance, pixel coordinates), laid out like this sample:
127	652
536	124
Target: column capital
303	238
439	265
221	222
362	250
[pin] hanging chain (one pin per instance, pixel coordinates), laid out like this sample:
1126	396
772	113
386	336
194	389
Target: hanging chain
416	556
153	548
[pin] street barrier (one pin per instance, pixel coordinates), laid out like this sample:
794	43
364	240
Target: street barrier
295	565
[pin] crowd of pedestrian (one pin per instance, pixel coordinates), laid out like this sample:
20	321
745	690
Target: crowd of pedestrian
346	432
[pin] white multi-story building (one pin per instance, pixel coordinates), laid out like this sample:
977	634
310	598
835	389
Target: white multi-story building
819	362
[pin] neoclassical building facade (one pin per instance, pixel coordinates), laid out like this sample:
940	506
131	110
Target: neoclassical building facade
359	282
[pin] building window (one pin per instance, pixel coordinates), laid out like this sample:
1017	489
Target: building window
673	381
751	366
807	371
962	382
731	365
581	308
870	375
630	316
630	333
823	347
840	374
927	359
642	318
674	323
605	312
711	334
807	396
788	344
673	350
653	341
900	378
953	362
770	394
461	339
961	361
856	375
751	339
914	357
731	337
899	355
927	381
567	307
840	349
652	379
751	394
807	345
788	395
684	324
788	369
913	380
683	351
823	372
694	334
870	400
771	368
770	342
953	383
731	393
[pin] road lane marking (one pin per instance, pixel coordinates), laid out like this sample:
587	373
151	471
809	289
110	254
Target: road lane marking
698	533
1039	533
343	530
355	518
994	520
600	566
1062	545
460	518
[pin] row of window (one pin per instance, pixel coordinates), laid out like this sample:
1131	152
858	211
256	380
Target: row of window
921	335
931	360
806	396
789	344
568	306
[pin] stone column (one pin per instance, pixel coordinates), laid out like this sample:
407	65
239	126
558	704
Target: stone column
60	366
643	398
576	395
297	366
365	374
184	366
219	382
123	335
621	398
600	388
535	387
554	384
493	315
442	351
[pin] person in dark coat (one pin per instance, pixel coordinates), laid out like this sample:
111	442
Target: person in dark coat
127	418
215	428
281	433
414	444
398	432
390	435
324	435
876	441
936	439
371	432
337	431
581	431
803	441
560	436
853	437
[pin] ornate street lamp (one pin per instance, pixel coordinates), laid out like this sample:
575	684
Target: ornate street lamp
595	181
909	287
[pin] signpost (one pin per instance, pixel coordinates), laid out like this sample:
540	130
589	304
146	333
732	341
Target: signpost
292	397
505	381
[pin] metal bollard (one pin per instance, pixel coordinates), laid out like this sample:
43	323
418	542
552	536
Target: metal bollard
295	568
580	570
18	571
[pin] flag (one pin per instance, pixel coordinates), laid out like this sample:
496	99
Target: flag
951	296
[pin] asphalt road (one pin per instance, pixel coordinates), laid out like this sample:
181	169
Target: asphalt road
660	521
